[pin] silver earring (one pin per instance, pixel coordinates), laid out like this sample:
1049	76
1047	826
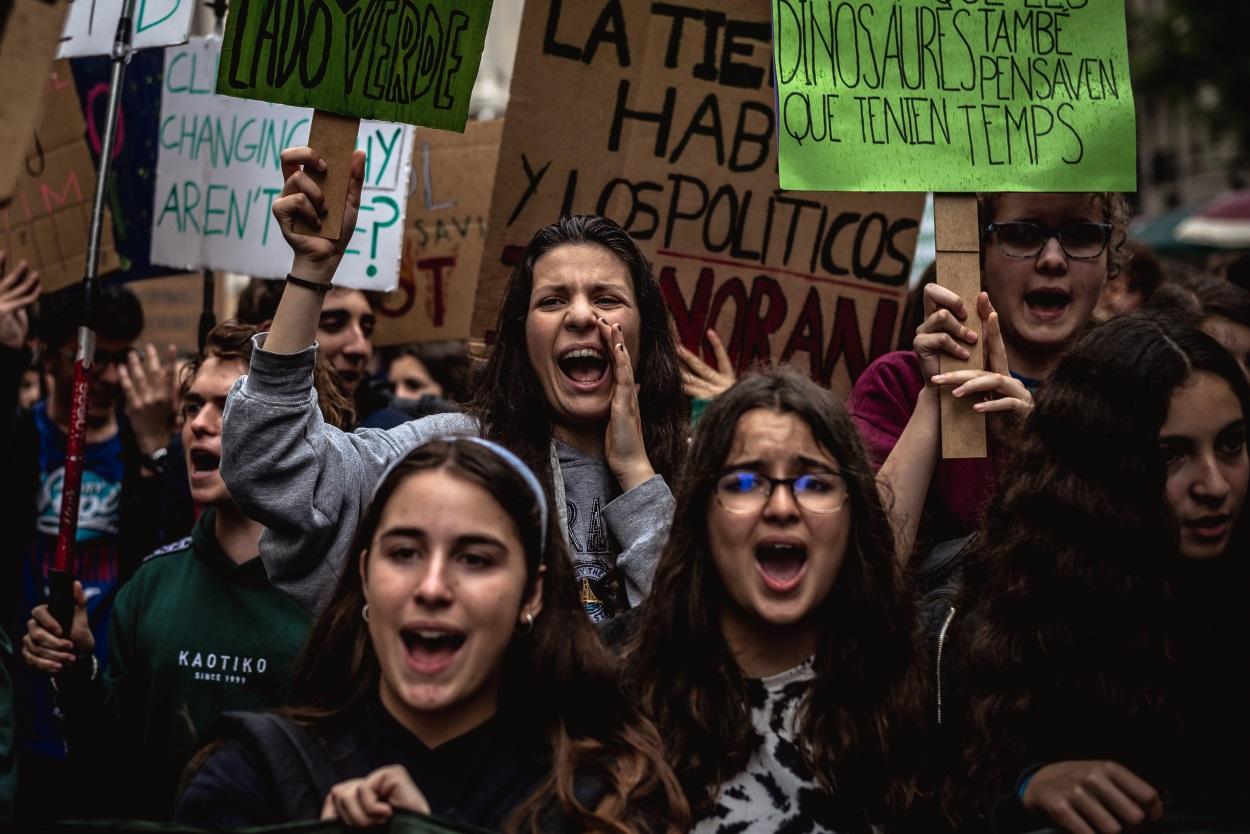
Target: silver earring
529	624
364	612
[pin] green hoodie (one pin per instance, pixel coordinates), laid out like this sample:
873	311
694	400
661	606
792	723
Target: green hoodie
192	635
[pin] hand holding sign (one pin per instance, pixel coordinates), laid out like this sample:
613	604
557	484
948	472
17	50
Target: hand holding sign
303	201
910	95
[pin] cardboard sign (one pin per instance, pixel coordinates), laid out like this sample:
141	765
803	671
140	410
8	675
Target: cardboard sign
412	62
219	171
92	25
663	121
47	220
448	205
937	95
28	37
171	310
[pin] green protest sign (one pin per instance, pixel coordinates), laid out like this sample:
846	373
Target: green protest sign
954	95
412	62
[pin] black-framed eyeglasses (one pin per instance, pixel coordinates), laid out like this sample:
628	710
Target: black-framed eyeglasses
747	491
1022	239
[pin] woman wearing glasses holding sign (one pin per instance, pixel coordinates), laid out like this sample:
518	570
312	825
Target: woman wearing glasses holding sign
775	652
1044	259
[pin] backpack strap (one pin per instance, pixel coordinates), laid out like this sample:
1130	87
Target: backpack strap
297	761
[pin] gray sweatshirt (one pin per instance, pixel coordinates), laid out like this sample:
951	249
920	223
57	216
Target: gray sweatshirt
309	483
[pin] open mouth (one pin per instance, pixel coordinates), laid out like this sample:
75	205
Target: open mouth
584	367
431	650
204	462
781	564
1048	303
1211	528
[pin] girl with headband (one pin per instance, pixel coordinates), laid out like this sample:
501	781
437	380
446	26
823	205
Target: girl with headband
582	385
452	672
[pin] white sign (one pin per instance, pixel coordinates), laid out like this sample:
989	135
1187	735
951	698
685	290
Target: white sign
219	171
91	26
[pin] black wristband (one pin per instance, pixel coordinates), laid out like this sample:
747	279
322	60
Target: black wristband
320	289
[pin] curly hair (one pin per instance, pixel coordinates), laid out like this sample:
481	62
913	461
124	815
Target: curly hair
1114	210
506	395
559	685
858	720
1068	637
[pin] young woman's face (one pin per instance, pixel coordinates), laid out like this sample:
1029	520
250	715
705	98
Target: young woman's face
575	284
445	580
1042	301
779	562
1203	443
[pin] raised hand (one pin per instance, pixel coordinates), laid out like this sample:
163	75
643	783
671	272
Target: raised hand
45	648
942	331
19	289
623	443
1002	394
372	800
316	258
149	387
699	379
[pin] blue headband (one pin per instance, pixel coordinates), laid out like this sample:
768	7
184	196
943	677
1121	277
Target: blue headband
531	480
514	462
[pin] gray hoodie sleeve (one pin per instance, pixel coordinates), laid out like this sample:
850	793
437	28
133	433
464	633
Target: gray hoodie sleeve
306	481
639	521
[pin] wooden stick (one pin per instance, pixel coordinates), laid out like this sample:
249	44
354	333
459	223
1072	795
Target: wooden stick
958	243
333	137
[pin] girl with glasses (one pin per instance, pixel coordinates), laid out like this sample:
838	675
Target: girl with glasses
1044	260
775	652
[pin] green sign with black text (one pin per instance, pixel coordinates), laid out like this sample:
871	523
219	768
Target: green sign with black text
413	61
953	95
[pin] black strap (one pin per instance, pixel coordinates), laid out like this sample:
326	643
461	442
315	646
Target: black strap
301	767
320	289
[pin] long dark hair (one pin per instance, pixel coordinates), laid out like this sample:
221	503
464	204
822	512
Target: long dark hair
507	397
867	686
1070	633
559	680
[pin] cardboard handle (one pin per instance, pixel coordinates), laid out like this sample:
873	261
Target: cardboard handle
333	137
958	242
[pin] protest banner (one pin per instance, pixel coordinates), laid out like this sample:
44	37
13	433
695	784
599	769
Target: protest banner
219	171
445	229
92	25
132	174
171	310
46	221
29	30
351	59
664	122
934	95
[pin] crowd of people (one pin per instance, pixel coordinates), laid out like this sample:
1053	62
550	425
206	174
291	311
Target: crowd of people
597	583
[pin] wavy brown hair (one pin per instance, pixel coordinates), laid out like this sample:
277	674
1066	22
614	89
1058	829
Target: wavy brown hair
1069	643
858	722
233	340
559	682
506	395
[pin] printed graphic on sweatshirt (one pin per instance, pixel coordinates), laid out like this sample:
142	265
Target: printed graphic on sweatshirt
99	507
597	582
212	667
